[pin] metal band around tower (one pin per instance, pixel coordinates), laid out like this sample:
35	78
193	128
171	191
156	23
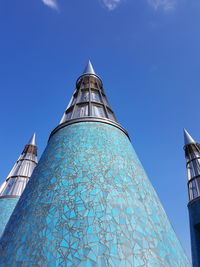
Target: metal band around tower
89	119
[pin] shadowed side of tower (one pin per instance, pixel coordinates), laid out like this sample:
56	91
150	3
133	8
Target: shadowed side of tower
17	179
89	202
192	155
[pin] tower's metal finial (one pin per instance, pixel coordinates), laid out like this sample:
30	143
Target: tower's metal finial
89	68
32	140
188	138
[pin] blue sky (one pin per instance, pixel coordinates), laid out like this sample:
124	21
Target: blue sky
147	53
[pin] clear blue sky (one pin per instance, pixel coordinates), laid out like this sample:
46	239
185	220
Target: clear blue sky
147	53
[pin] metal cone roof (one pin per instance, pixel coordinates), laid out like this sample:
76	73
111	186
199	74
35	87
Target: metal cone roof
89	68
188	138
32	140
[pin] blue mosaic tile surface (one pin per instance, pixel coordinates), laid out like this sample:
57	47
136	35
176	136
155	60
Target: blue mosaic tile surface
7	206
194	215
90	203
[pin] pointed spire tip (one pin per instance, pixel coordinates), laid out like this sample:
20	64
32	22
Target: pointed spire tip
32	141
89	68
188	138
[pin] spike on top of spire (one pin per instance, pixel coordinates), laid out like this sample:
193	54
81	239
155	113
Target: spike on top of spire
32	140
188	138
89	69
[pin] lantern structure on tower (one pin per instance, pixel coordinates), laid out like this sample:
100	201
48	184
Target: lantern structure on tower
192	155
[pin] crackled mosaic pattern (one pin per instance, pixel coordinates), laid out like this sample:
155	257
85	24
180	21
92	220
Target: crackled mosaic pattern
194	215
7	206
89	203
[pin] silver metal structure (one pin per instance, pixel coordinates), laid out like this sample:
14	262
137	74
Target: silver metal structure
188	138
89	99
89	68
19	175
192	155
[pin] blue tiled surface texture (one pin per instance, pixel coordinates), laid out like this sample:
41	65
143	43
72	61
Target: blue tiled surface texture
90	203
194	215
7	206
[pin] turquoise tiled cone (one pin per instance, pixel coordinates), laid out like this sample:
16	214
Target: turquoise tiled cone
7	206
90	203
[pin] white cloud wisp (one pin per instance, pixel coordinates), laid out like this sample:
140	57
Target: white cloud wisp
51	3
111	4
165	5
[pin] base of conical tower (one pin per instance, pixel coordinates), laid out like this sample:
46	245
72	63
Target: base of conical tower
194	216
7	206
90	203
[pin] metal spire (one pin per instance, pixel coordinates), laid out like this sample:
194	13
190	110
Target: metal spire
19	175
89	68
89	99
32	140
187	138
192	156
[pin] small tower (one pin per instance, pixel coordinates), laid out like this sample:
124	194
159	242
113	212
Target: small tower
16	181
89	201
192	155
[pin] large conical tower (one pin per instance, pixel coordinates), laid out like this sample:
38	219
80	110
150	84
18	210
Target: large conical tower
89	202
192	155
16	181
